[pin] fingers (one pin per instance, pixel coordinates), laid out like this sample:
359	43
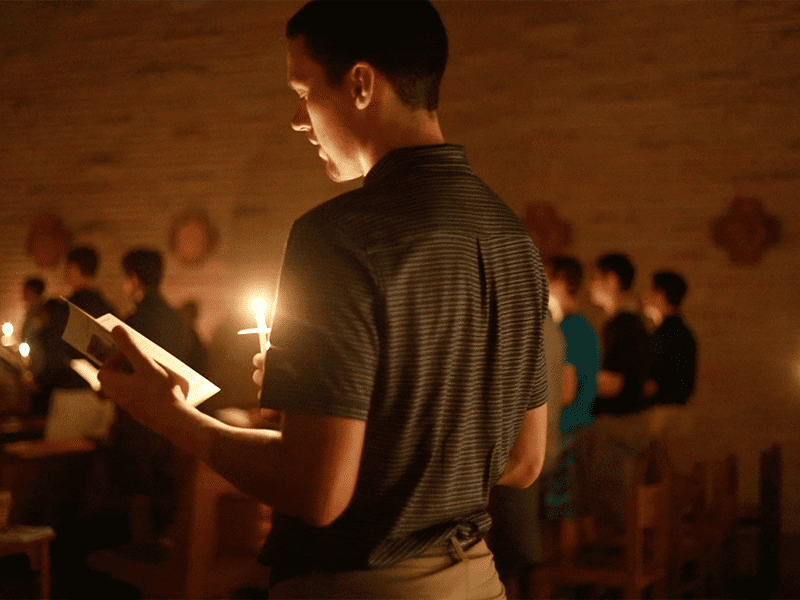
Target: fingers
180	382
126	346
258	374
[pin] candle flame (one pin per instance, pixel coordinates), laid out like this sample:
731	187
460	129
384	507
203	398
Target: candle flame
24	350
259	306
8	329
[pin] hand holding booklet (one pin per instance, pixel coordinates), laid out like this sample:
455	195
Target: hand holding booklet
92	338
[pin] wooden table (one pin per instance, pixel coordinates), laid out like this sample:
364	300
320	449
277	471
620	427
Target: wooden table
35	542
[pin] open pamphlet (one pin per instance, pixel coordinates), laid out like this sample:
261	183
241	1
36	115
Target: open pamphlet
92	338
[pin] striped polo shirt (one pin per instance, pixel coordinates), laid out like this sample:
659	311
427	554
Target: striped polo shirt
416	303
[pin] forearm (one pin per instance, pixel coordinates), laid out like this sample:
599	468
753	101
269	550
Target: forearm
248	458
257	461
308	469
526	459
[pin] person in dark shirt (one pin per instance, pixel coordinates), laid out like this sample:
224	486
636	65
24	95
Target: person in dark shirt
80	273
50	358
621	429
673	347
189	311
142	461
33	296
624	364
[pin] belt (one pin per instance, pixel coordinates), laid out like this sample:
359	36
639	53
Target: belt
460	546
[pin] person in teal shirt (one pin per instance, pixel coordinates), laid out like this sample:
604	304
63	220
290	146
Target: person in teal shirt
567	493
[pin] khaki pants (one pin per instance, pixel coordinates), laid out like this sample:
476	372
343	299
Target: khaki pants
444	572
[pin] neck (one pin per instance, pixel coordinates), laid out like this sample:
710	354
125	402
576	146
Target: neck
392	125
615	303
82	285
569	305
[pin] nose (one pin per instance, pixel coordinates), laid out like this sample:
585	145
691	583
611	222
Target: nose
301	121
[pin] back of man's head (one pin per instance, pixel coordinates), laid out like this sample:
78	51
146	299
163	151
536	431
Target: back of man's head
673	285
85	259
567	268
33	288
147	265
406	41
621	266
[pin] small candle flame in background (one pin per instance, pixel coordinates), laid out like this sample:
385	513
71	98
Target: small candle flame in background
8	331
24	352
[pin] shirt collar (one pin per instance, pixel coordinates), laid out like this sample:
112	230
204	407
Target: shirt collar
441	155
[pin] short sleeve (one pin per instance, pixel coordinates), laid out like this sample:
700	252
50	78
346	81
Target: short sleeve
324	342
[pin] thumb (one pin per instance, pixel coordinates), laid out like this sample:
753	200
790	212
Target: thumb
128	349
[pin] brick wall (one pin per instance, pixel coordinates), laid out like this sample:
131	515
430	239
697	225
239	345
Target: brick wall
639	121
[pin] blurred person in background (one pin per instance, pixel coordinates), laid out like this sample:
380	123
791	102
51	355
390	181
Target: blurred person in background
142	461
624	343
621	428
80	275
33	297
50	357
568	489
673	350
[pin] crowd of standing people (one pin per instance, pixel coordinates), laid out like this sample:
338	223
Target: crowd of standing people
614	391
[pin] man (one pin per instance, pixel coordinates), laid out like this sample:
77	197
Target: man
672	345
568	490
624	338
33	297
407	346
621	428
80	275
142	461
153	316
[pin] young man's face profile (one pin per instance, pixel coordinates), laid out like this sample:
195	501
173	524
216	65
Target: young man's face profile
324	113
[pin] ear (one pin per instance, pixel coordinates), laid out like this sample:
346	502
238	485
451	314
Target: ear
362	84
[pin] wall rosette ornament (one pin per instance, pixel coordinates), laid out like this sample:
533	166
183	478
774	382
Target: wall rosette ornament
48	241
746	231
193	236
551	232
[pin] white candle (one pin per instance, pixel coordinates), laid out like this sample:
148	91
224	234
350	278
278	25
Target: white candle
259	307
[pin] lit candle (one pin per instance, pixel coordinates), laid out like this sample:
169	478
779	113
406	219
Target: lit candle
259	307
8	330
25	352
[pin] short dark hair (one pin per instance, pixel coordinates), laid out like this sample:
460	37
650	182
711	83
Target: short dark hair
57	313
34	284
86	259
621	266
406	41
673	285
147	265
569	269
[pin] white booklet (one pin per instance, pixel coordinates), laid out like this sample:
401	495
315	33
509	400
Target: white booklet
92	338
